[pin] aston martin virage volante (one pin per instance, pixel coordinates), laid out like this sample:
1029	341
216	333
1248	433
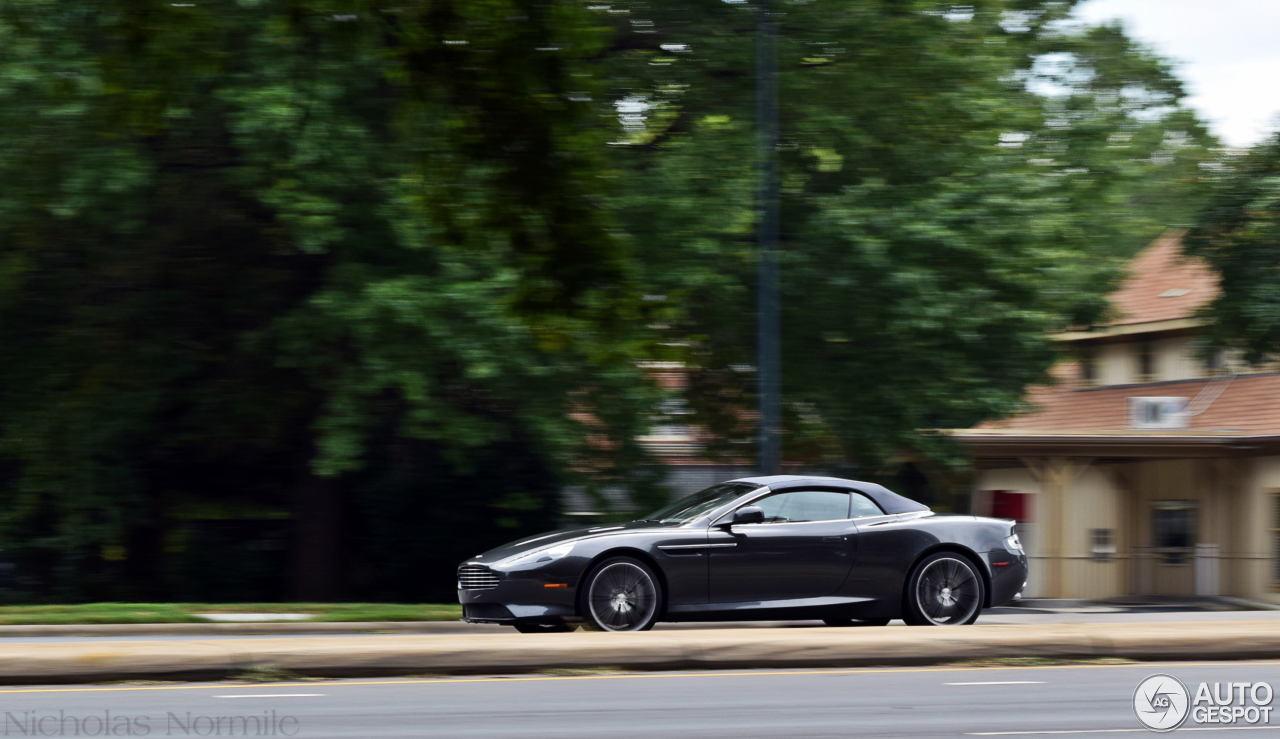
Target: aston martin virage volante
758	548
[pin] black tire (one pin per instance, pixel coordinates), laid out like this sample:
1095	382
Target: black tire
944	589
856	621
620	594
560	628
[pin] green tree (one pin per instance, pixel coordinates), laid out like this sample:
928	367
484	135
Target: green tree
238	239
1238	233
957	182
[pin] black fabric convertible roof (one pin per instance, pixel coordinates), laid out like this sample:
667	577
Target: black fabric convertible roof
888	500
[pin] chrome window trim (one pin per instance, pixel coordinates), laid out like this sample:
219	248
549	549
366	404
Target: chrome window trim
719	513
766	491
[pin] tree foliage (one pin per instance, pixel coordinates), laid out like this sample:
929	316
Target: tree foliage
956	183
1239	234
241	237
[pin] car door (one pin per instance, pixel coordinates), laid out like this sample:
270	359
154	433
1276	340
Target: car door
886	546
803	549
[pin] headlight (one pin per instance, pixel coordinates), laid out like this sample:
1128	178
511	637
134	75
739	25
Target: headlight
540	555
1013	543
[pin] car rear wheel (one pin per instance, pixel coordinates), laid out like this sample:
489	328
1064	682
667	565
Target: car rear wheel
856	621
559	628
944	590
621	594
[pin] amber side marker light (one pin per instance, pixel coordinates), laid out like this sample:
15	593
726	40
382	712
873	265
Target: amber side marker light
556	585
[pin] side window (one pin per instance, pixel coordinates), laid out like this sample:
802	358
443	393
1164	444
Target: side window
805	505
864	506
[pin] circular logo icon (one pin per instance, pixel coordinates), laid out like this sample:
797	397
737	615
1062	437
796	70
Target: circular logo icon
1161	702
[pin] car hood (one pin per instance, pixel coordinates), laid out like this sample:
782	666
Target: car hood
552	538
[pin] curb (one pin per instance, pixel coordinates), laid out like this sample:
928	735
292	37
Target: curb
362	656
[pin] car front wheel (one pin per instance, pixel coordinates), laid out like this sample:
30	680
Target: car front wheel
621	594
944	590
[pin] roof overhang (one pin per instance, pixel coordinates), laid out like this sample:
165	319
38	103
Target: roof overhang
1131	329
997	445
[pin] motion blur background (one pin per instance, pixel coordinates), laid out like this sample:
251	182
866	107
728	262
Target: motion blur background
312	299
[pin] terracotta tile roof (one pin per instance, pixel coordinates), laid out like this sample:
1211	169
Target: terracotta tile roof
1163	284
1249	404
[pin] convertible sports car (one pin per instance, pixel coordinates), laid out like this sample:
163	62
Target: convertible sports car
780	547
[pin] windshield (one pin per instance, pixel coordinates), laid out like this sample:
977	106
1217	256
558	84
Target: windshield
700	503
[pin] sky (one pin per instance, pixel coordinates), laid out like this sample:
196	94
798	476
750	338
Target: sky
1226	51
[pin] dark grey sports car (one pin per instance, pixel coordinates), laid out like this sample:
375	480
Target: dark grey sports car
783	547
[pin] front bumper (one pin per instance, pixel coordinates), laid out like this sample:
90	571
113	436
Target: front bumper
544	595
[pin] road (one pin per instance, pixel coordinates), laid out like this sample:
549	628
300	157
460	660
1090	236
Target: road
1066	700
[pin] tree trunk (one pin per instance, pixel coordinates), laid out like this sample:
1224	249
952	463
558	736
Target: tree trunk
316	552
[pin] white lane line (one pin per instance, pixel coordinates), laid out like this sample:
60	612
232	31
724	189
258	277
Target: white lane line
271	695
1119	731
1033	733
1003	682
1230	728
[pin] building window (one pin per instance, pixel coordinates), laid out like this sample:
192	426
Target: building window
1102	544
1146	362
1174	530
1088	366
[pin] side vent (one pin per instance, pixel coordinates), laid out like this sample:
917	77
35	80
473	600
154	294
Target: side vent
1158	413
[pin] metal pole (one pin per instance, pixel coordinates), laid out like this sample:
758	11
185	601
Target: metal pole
769	367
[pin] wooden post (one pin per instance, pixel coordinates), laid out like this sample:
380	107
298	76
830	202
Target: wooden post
1126	481
1054	475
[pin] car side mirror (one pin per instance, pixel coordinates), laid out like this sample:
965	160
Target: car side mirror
749	514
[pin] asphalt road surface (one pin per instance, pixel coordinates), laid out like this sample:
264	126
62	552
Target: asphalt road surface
1064	700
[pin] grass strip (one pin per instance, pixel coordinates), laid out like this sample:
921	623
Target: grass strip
160	613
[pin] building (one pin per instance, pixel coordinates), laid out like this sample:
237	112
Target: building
1148	468
674	444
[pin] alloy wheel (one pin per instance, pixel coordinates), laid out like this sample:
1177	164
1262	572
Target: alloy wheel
948	592
622	597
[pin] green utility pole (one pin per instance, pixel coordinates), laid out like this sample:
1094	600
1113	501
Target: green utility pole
769	369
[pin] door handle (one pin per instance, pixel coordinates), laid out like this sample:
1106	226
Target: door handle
833	538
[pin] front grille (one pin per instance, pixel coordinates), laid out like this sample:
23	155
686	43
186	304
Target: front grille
475	577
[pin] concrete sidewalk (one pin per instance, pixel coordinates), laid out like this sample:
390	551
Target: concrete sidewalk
1153	608
101	660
